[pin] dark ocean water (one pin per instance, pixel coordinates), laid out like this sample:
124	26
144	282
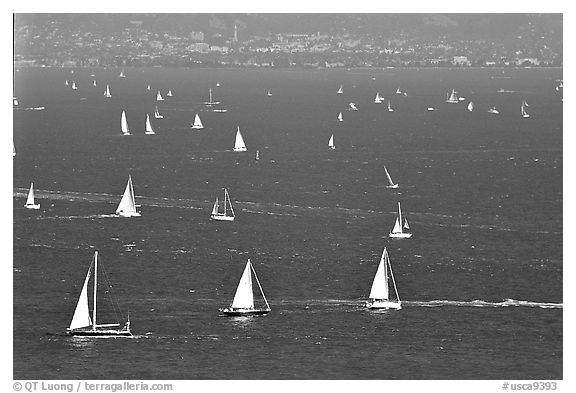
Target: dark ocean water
481	278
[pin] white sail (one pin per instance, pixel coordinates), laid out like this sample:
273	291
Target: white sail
159	96
523	109
228	212
127	205
149	128
400	226
390	182
239	144
81	316
148	87
157	114
107	92
340	117
197	122
169	94
471	106
352	106
398	91
390	109
244	297
331	142
379	288
30	198
269	94
378	98
340	91
66	82
397	227
215	207
122	74
94	82
453	98
124	124
74	86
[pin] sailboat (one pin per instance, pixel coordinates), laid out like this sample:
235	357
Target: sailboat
340	117
390	109
157	114
353	106
239	144
378	99
243	303
94	82
84	326
471	106
13	150
452	98
124	124
74	87
401	227
169	94
148	87
15	101
127	206
269	94
217	84
331	143
159	96
227	214
197	123
30	200
380	292
390	182
340	91
493	110
257	156
210	102
149	128
523	109
107	92
122	74
66	82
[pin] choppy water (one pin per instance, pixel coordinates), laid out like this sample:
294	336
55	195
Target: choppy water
481	278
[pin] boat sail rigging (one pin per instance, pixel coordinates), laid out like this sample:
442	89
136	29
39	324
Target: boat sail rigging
471	106
380	292
493	110
340	90
210	102
239	144
340	117
74	87
149	128
331	143
523	109
159	96
452	98
30	204
169	94
243	303
401	227
122	74
124	124
390	109
107	92
84	326
391	184
197	123
226	214
378	99
127	206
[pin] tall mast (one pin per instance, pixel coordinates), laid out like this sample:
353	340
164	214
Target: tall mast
95	288
392	275
259	286
400	217
225	198
132	191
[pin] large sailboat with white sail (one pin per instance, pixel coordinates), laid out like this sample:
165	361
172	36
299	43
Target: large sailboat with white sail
197	125
127	206
84	326
401	227
30	202
124	124
107	92
239	144
243	303
379	297
149	128
223	211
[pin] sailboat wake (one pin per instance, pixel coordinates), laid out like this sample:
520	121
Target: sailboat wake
482	303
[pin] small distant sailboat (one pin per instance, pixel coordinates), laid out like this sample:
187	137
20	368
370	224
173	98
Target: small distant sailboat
471	106
227	214
331	143
243	303
210	102
401	227
157	114
379	297
390	109
30	204
340	90
452	98
81	324
197	123
523	109
352	106
431	108
127	206
217	84
122	74
124	124
398	91
378	99
13	150
257	156
149	128
15	101
493	110
148	87
94	82
169	94
391	184
66	82
340	117
269	94
159	96
74	87
107	92
239	144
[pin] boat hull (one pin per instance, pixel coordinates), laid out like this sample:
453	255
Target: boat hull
196	127
129	214
100	333
239	149
33	207
392	186
150	133
402	235
384	304
235	312
221	217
